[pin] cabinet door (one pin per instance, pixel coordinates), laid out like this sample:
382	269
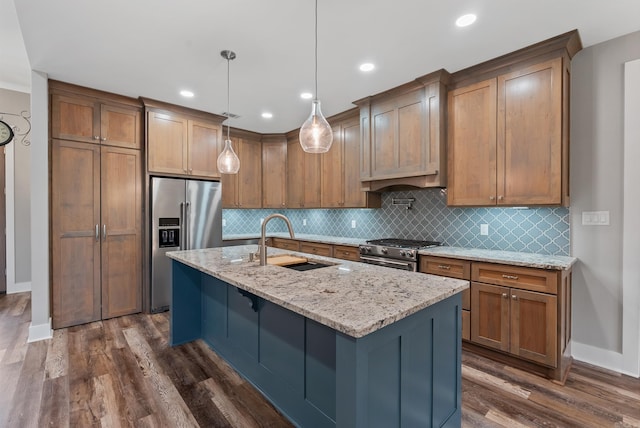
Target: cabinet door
75	243
167	143
296	183
530	135
312	180
250	174
472	144
490	315
120	126
533	326
274	177
316	248
331	189
229	182
75	118
205	144
121	231
354	197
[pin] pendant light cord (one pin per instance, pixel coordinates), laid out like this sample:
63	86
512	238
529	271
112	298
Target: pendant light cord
228	97
316	51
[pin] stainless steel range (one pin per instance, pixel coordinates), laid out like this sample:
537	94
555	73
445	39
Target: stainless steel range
394	253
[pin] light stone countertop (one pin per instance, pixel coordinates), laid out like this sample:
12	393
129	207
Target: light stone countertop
351	297
513	258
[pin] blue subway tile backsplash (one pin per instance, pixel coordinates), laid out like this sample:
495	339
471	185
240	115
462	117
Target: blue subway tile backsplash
529	230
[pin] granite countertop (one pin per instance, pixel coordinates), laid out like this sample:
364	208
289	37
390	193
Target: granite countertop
351	297
513	258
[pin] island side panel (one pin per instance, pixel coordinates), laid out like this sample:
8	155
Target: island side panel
185	312
404	375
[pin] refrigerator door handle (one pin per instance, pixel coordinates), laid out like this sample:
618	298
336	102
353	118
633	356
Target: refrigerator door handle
182	226
187	213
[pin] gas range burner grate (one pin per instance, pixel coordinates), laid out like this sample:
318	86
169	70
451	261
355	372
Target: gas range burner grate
403	243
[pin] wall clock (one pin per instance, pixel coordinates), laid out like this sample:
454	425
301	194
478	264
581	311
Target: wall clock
6	133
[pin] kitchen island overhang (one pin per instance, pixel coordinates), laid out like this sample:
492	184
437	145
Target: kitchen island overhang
349	345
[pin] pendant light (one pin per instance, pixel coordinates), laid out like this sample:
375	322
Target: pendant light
228	161
316	135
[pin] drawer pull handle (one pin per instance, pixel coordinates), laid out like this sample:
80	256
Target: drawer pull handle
444	267
505	295
346	253
514	277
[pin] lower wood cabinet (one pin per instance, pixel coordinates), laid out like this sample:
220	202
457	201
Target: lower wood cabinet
518	315
346	252
95	232
285	244
316	248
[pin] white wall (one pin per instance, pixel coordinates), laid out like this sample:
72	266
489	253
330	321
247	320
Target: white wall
597	184
18	193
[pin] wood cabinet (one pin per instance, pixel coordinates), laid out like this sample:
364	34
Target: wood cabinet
316	248
341	186
403	135
178	145
508	128
244	189
285	244
274	172
96	214
518	315
346	252
88	119
452	268
303	175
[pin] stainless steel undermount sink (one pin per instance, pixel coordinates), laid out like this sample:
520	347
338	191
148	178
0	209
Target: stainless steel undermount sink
308	265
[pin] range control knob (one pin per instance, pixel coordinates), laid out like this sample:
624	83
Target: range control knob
365	250
384	250
402	253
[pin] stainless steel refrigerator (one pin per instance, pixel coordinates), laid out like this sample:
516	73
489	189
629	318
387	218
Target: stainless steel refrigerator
185	215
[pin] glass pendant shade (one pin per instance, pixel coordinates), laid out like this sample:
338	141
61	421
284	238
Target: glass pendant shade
228	161
316	135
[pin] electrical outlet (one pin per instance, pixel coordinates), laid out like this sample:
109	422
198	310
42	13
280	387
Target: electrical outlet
304	221
224	222
484	229
353	224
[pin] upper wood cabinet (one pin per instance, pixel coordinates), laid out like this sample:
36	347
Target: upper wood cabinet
86	115
244	189
274	172
182	141
341	186
403	135
508	128
303	175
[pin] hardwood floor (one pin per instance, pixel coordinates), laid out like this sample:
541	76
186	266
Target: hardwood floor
121	372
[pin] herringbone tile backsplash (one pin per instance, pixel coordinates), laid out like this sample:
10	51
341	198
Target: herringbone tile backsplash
534	230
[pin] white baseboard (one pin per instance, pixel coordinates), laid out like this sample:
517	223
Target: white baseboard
40	332
19	287
599	357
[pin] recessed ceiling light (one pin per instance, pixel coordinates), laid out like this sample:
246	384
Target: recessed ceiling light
465	20
367	66
267	115
186	93
306	95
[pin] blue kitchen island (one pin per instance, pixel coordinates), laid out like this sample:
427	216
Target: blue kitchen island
348	345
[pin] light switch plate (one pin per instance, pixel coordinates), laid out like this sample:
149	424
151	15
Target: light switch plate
484	229
353	224
595	218
224	222
304	221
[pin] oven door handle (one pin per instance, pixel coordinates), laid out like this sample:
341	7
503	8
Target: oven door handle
382	262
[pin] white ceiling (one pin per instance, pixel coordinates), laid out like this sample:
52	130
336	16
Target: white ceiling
156	48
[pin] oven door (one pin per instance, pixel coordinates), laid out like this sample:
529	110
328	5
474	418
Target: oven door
392	263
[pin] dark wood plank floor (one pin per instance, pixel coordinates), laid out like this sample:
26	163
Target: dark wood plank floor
121	372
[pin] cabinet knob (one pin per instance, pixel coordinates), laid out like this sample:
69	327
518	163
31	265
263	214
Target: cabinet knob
514	297
96	137
190	170
500	197
491	198
104	138
505	295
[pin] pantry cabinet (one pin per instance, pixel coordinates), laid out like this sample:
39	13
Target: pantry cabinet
96	196
508	128
244	189
403	134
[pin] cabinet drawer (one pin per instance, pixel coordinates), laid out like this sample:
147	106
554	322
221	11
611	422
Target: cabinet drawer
466	325
316	248
453	268
545	281
346	252
286	244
